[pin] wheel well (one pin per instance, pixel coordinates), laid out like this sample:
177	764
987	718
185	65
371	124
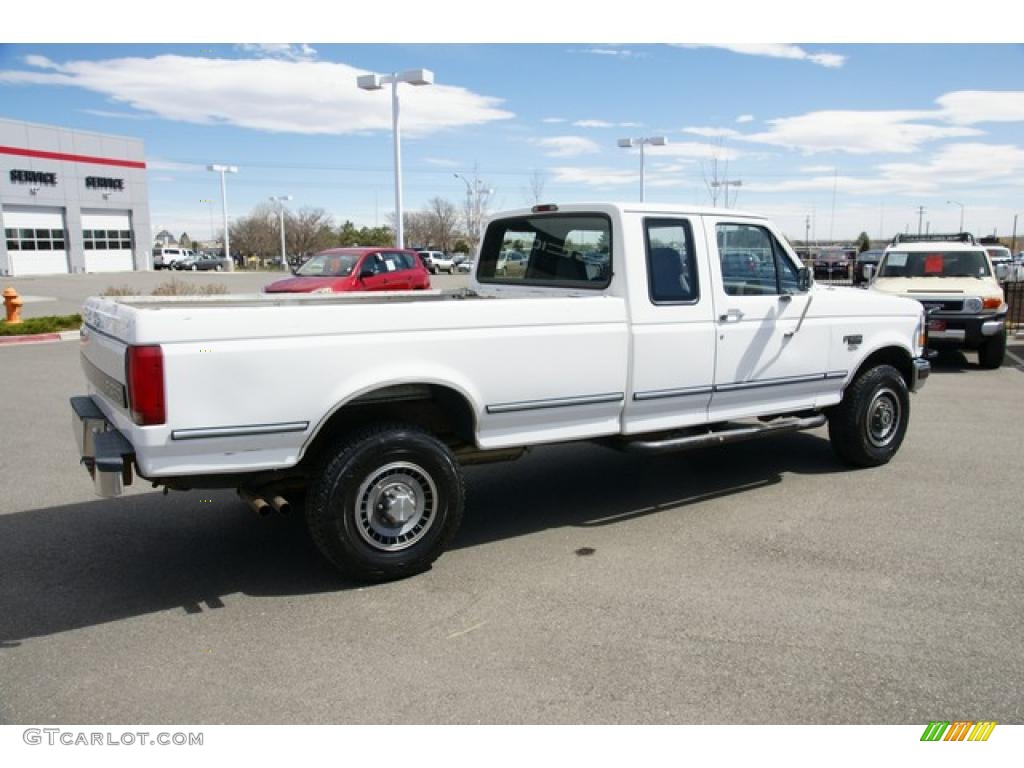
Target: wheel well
441	410
897	357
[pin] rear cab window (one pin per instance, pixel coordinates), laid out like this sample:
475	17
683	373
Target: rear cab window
551	250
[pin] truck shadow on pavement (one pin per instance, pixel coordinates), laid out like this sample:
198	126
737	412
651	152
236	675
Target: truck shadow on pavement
85	564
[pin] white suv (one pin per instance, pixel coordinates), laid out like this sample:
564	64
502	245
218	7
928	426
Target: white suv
953	277
167	256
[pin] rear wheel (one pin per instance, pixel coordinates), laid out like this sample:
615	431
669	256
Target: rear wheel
387	503
867	427
992	352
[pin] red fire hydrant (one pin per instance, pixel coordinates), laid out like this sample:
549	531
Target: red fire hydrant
12	304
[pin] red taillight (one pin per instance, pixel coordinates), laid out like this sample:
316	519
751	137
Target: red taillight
146	385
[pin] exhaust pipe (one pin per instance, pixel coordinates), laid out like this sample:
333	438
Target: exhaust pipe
280	505
256	503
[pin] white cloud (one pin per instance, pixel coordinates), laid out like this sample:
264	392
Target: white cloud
116	115
41	62
970	107
624	53
780	51
554	120
856	132
305	97
817	168
156	164
695	150
711	132
594	177
604	124
567	146
287	51
745	119
441	162
954	166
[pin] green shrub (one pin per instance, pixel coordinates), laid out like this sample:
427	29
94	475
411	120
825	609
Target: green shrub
50	324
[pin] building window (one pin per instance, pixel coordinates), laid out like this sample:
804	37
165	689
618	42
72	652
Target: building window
35	239
107	239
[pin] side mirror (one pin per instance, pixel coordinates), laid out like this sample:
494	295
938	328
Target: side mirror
803	279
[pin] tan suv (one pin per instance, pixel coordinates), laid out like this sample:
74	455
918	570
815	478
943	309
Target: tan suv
952	276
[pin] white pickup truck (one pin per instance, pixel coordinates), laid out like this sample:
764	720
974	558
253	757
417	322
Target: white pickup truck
645	327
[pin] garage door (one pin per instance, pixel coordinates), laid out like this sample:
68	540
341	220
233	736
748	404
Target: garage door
36	240
107	238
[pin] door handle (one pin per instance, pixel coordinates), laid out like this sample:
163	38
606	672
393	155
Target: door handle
731	316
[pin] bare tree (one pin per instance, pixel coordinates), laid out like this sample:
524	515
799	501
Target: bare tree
257	235
441	219
534	193
478	197
308	231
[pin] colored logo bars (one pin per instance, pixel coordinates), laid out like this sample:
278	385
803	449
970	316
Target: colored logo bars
959	730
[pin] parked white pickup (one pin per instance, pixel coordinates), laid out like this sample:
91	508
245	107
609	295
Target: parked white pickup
647	327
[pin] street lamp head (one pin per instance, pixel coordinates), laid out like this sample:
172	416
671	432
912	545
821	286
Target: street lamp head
216	168
369	82
625	142
417	77
657	141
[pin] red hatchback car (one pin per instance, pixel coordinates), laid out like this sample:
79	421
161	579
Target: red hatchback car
357	269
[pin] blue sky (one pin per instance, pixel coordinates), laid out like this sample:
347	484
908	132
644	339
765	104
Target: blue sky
886	127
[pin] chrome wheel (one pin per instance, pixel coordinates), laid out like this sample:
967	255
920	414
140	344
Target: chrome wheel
884	414
395	506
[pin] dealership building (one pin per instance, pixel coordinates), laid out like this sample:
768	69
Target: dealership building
71	201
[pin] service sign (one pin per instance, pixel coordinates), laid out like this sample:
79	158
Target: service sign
33	177
100	182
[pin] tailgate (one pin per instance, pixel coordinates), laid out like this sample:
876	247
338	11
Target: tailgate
103	352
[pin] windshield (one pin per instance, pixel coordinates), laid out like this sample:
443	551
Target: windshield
329	265
999	254
935	264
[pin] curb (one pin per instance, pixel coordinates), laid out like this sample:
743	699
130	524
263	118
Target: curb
40	338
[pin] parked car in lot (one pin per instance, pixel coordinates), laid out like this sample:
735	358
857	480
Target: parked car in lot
465	266
379	400
510	264
953	277
167	257
202	262
356	269
865	265
431	259
442	262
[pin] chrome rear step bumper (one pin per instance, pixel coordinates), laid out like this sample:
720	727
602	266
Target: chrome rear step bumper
104	451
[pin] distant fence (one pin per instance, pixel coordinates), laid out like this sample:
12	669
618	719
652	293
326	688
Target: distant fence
1014	293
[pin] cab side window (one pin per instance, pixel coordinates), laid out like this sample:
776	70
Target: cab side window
671	266
753	262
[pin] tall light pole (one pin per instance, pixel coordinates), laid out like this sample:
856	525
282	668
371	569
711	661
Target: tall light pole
954	202
475	192
374	82
920	218
223	170
281	200
727	183
654	141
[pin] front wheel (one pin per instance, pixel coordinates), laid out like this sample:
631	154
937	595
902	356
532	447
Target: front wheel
867	427
387	503
992	352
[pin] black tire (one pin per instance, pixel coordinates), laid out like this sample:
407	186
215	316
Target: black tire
992	352
867	427
349	509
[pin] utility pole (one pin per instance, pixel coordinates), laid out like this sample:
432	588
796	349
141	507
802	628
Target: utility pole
920	218
1013	240
832	219
807	230
725	184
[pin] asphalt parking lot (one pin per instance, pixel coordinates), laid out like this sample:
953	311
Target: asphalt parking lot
758	583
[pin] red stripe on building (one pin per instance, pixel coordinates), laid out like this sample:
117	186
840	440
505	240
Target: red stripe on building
71	158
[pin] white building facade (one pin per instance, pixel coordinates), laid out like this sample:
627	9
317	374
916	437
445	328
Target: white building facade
71	201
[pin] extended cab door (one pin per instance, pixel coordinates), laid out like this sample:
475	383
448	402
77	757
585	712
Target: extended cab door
672	322
771	353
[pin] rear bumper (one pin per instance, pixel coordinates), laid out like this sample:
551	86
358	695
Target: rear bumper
922	370
105	452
